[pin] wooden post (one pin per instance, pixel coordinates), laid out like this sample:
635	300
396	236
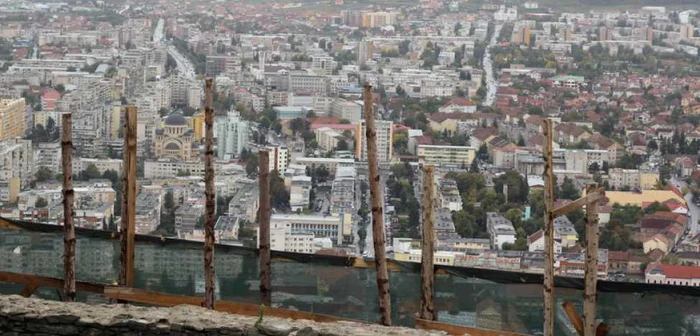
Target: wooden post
548	231
377	197
209	194
128	214
427	306
68	209
264	232
591	275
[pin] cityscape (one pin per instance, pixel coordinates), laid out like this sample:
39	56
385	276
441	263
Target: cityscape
460	85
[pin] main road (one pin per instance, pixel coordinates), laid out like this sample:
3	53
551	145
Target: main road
693	210
491	81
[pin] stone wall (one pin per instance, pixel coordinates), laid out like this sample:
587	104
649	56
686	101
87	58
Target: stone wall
22	316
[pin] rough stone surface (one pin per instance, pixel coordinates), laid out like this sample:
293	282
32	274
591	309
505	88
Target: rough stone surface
34	317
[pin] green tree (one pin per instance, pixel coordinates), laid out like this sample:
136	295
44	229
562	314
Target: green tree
41	203
279	196
342	145
91	172
518	188
44	174
569	190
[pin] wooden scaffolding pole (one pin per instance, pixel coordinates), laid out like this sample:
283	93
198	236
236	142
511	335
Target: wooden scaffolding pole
591	275
128	214
427	306
548	231
377	197
209	194
264	232
68	209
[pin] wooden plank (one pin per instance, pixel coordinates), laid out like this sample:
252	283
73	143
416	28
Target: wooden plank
427	306
579	203
128	215
68	210
209	194
29	289
264	231
574	317
590	294
548	231
170	300
460	330
377	197
7	225
41	281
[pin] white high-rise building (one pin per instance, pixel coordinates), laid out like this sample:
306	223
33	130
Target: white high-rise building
279	158
232	134
385	131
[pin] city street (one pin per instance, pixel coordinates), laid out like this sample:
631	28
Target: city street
491	80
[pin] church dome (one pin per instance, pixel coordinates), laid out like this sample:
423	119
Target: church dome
176	119
172	146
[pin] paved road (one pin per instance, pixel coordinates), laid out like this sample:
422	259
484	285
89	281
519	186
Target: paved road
491	81
158	32
184	66
693	210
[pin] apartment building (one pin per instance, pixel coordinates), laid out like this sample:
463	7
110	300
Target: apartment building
232	134
319	226
619	178
171	167
279	158
17	161
102	165
12	113
148	207
299	193
327	138
446	155
348	110
385	134
500	230
48	155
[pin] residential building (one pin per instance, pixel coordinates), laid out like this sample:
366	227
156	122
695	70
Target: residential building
12	124
564	232
102	165
148	207
458	104
632	178
446	155
232	135
385	131
227	227
327	138
319	226
535	243
658	273
16	162
449	197
48	155
171	167
500	230
279	158
245	201
283	238
574	264
345	109
299	193
187	216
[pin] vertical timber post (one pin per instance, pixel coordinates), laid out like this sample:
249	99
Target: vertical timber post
264	232
210	201
427	306
68	209
128	214
377	197
548	231
591	275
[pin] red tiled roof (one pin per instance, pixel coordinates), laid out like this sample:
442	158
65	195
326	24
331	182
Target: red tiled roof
618	255
326	120
534	237
459	101
680	272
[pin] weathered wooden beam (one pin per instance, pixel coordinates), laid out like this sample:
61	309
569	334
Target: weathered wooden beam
41	281
580	202
427	306
29	289
209	194
264	231
68	208
573	316
460	330
591	275
376	195
128	213
548	231
7	225
169	300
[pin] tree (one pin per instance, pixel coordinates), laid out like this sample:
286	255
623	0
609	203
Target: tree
185	172
91	172
474	166
655	207
521	141
518	188
515	216
296	125
483	153
594	168
342	145
569	190
44	174
279	196
60	88
41	203
652	145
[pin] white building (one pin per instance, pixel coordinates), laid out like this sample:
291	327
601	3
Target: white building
48	155
500	230
658	273
385	132
232	135
319	226
17	161
299	193
102	165
348	110
279	158
506	13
